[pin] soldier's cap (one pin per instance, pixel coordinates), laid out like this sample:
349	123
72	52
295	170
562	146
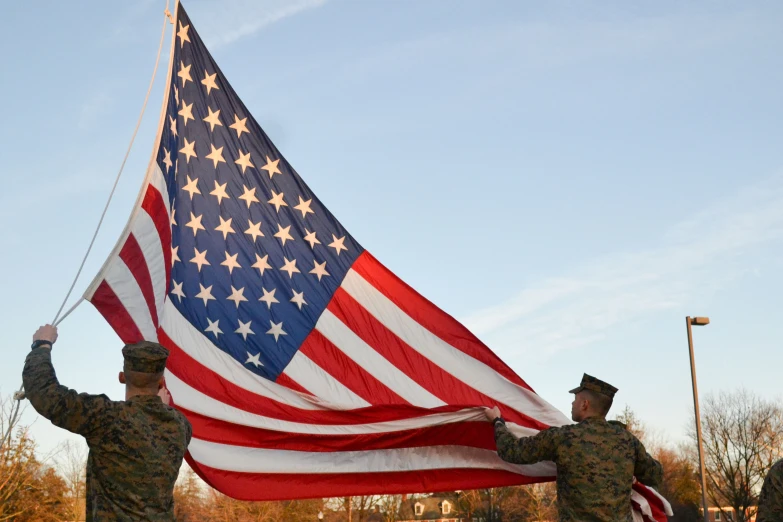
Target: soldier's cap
595	385
145	357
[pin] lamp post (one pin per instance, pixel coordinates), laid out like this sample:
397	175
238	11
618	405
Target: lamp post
320	515
698	321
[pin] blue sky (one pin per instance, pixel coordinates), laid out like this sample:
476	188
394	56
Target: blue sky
569	179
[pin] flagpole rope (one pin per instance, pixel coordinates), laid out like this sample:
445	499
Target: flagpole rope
167	18
19	395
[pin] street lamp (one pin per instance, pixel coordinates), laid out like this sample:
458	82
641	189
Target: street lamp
320	516
698	321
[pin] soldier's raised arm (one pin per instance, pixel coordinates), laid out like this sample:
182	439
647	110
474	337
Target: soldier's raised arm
646	469
524	450
76	412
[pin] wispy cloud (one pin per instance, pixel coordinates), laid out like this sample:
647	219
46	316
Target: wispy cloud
695	257
221	23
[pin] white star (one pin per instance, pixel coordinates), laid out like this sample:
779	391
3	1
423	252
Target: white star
173	219
205	294
231	262
298	298
213	327
304	207
237	296
178	290
271	167
254	229
184	73
216	155
244	329
310	238
209	82
167	159
174	255
200	259
282	234
276	330
239	125
186	112
189	150
244	161
254	359
290	267
319	270
225	226
213	119
173	126
269	297
195	223
220	192
277	200
249	196
337	244
183	34
191	187
176	96
261	263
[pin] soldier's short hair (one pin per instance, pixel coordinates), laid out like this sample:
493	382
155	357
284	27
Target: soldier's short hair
599	402
143	380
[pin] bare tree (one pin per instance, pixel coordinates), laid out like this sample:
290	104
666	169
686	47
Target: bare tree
72	463
743	434
540	502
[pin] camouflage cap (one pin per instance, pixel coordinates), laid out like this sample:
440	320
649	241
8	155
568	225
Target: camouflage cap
145	357
596	385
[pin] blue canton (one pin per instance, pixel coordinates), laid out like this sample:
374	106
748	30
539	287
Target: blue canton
257	257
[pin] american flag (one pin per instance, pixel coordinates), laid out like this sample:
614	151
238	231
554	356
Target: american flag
306	367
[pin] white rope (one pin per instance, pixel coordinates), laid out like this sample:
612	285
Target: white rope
19	395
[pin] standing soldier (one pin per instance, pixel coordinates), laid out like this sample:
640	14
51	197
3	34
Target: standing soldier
771	497
596	459
136	445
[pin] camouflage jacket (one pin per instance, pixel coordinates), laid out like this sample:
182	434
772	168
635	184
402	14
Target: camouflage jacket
596	462
136	446
771	498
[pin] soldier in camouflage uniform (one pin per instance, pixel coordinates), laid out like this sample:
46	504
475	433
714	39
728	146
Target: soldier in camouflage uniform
136	445
771	498
596	459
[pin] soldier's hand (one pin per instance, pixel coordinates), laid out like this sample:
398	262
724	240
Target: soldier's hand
492	413
46	333
163	393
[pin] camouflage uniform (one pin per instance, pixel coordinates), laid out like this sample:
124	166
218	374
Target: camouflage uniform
596	462
136	446
771	498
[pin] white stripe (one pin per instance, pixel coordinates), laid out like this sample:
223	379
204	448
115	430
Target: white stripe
374	363
189	398
317	381
193	342
143	229
260	460
124	285
158	181
472	372
644	506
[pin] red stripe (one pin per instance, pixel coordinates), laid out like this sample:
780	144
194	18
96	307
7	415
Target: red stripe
341	367
472	434
111	308
133	257
210	383
286	486
430	316
154	205
656	505
428	375
288	382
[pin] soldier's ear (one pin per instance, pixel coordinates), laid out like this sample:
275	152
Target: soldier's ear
122	377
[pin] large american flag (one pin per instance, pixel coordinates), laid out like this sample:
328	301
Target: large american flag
306	367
